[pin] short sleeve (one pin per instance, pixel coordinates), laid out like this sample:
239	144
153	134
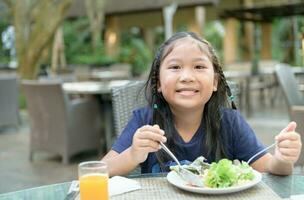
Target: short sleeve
245	142
139	118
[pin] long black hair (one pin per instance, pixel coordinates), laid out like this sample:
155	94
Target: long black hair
162	114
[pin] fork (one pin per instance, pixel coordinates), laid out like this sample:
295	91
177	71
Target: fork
187	175
263	150
73	191
170	153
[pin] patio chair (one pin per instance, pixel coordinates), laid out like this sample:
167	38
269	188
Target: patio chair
236	92
9	104
58	124
294	98
124	100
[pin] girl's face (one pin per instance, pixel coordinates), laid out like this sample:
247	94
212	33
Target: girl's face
187	79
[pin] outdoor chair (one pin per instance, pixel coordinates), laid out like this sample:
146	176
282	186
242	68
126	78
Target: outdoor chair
236	92
124	100
58	124
294	98
9	104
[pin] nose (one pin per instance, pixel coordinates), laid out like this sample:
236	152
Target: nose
187	75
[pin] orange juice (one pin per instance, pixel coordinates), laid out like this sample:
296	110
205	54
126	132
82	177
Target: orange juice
94	187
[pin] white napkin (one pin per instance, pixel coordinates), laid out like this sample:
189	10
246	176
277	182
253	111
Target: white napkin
120	185
297	197
117	185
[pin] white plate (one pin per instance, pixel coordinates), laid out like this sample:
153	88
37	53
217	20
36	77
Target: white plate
177	181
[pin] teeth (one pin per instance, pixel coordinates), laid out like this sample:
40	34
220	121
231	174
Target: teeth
187	90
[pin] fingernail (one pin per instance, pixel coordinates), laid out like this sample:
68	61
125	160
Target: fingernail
164	139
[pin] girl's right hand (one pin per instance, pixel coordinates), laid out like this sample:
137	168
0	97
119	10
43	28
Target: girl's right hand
146	140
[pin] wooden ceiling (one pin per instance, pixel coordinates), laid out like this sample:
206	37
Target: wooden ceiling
265	13
131	6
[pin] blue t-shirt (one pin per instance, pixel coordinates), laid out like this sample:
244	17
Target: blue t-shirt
240	141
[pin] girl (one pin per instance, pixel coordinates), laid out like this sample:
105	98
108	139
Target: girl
188	109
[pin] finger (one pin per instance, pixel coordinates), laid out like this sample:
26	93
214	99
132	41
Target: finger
152	136
289	158
289	152
148	149
149	143
289	144
291	127
287	136
154	128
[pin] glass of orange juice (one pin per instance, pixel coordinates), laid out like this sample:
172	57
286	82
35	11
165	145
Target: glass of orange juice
93	180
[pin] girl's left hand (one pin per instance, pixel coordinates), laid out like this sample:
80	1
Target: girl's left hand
289	144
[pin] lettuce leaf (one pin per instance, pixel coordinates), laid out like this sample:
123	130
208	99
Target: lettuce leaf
225	174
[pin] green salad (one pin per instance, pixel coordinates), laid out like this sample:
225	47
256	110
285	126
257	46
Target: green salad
222	174
225	174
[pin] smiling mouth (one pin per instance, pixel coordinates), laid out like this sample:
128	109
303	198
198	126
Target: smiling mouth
187	90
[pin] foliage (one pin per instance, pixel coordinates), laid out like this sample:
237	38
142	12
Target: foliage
95	14
280	40
283	40
21	100
4	53
135	51
35	23
159	37
213	33
78	49
181	27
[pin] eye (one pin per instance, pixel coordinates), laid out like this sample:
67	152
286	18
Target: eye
174	67
200	67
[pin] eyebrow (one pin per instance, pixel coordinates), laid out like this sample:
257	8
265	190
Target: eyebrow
195	59
200	59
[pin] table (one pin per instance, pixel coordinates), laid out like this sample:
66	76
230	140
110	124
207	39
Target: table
243	78
109	75
90	87
157	187
299	73
248	82
104	90
116	71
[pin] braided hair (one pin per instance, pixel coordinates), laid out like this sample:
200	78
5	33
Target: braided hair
162	114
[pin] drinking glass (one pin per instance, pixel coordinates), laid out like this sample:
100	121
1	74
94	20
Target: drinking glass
93	180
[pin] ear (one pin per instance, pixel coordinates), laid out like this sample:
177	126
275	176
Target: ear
215	82
158	87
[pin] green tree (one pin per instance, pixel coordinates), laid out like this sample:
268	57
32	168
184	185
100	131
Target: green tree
35	23
95	13
136	52
78	49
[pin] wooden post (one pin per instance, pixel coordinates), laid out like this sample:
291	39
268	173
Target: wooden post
230	41
168	15
199	20
112	36
149	37
266	41
58	56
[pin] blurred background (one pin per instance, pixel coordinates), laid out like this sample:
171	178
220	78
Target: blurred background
106	40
